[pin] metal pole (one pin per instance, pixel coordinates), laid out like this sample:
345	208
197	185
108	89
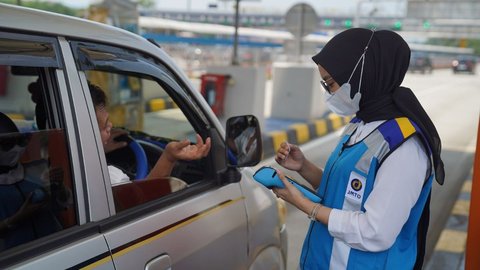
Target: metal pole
356	21
302	34
235	37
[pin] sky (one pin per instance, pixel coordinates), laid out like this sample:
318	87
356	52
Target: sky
337	7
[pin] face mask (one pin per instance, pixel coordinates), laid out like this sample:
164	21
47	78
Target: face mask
340	102
10	158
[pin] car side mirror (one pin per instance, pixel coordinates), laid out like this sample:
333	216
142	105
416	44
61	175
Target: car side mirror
244	141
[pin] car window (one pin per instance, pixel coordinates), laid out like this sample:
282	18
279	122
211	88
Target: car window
36	188
147	102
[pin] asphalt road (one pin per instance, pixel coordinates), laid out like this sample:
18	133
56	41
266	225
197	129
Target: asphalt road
453	103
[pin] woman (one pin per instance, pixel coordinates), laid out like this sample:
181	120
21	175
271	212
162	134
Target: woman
375	187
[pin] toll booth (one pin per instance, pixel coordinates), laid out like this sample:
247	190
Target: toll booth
213	88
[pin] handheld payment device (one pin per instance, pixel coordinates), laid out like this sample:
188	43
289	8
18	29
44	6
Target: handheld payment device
268	177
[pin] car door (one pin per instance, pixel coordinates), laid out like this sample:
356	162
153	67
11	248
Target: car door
45	221
193	219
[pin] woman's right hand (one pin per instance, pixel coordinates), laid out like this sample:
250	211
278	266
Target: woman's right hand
290	156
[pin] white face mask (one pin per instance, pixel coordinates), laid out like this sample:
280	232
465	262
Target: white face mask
10	158
340	102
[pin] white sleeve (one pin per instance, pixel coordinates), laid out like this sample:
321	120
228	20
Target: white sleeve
117	176
397	187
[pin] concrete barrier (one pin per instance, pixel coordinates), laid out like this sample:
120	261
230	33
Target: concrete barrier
300	133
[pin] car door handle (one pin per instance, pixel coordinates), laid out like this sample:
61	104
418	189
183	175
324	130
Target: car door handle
162	262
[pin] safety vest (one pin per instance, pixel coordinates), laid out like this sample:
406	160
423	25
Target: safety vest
347	181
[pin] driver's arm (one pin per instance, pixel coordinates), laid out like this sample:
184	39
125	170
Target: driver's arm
181	150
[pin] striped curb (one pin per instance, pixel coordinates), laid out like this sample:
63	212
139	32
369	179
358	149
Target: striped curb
158	104
16	116
300	133
450	248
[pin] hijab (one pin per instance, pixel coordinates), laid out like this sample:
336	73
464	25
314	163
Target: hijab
386	63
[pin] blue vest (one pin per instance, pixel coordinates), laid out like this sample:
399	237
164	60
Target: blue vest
347	181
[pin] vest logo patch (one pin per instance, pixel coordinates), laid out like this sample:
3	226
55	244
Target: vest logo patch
356	184
355	188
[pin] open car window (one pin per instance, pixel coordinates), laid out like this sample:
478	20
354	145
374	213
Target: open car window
146	102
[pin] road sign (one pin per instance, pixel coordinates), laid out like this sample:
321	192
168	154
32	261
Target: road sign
301	20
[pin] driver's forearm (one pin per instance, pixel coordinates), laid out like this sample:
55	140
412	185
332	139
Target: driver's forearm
163	168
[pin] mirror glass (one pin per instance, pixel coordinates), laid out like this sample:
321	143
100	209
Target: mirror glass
244	141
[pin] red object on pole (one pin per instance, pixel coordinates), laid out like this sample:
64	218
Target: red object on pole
212	88
472	252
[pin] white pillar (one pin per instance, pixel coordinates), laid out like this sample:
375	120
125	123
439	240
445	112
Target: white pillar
296	92
246	92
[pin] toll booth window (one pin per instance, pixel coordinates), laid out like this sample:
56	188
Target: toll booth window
144	114
36	188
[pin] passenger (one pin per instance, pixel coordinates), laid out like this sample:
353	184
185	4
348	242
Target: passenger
25	203
35	89
173	151
376	185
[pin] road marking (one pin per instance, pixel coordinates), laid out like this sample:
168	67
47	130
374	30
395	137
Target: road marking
467	186
452	241
461	207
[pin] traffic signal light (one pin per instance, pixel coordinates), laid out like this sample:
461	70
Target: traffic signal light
426	24
348	23
397	25
327	22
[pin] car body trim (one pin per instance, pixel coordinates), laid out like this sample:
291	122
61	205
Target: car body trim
120	251
128	247
93	262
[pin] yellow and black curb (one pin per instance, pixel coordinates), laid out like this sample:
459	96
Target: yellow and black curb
158	104
449	251
300	133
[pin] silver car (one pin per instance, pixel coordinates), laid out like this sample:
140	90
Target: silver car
59	209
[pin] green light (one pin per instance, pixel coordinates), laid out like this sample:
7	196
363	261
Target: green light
397	25
426	24
327	22
348	23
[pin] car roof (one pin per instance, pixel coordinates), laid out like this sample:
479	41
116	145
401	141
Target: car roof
44	22
54	24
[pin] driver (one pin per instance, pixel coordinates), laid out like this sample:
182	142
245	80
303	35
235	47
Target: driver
181	150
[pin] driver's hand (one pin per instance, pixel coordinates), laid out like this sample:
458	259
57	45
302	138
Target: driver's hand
113	144
183	150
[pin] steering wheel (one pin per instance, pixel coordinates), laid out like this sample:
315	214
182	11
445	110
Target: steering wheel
137	170
140	158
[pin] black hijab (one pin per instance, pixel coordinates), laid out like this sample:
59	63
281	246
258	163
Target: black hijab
386	63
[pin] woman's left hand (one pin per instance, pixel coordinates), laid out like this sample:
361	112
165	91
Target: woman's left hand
290	193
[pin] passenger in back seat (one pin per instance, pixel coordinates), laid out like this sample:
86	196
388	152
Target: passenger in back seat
25	202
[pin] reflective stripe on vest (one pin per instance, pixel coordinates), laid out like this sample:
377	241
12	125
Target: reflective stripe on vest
362	160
